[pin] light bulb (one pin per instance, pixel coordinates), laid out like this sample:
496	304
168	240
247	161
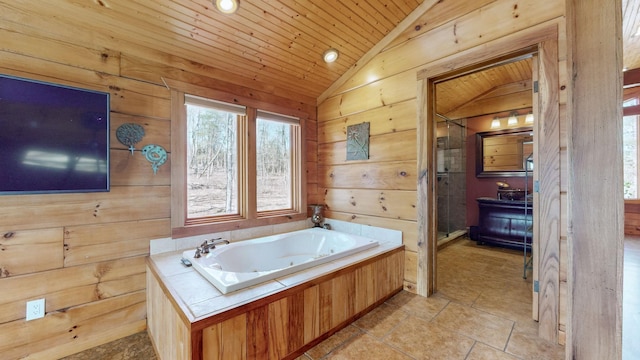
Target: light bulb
227	6
529	118
330	55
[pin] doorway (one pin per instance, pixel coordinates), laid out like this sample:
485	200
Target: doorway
546	111
487	123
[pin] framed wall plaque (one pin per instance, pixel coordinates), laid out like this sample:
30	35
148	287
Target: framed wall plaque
358	142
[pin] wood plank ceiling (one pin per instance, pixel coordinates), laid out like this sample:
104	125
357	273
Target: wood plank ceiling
277	43
452	96
457	93
274	44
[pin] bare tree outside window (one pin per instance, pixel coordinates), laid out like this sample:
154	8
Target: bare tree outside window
212	162
273	161
630	152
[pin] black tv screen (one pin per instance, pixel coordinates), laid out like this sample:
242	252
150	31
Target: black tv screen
53	138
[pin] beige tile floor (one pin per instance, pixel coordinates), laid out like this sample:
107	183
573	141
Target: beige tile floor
482	311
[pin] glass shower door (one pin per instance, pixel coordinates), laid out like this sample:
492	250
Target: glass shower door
452	184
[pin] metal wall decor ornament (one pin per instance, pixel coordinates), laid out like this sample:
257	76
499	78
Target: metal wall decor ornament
156	155
358	142
130	134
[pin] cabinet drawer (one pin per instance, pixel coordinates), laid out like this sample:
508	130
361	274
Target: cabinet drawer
495	226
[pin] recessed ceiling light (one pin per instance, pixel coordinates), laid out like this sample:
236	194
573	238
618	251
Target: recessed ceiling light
227	6
330	55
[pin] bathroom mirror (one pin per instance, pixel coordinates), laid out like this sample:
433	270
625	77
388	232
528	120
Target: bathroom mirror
504	152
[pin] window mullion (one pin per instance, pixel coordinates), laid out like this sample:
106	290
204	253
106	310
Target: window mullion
637	156
297	158
249	167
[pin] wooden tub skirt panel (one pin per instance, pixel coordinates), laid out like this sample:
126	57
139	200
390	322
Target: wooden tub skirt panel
281	325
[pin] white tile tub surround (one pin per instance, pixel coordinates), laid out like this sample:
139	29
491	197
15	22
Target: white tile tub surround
163	245
210	301
158	246
383	235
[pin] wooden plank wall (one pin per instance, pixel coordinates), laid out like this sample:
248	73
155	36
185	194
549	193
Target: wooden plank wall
596	233
632	217
84	253
382	190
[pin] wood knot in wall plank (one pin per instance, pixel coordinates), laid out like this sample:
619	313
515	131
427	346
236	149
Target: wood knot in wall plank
8	235
102	270
99	295
102	3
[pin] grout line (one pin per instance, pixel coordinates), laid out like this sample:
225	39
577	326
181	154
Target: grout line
471	349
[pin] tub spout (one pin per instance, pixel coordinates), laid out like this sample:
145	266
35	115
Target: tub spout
219	241
208	245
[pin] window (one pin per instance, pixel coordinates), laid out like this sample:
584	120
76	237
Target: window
242	166
274	160
630	152
212	157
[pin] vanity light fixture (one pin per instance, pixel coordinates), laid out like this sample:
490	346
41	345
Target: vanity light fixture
227	6
529	118
513	119
330	55
495	123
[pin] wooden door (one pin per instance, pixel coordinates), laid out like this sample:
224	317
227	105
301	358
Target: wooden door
535	242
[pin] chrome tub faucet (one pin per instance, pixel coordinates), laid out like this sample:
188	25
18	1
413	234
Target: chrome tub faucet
208	245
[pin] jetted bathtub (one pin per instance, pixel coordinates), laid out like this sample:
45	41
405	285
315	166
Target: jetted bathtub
246	263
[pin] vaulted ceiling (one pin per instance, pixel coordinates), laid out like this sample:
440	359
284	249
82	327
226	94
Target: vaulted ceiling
496	89
475	93
275	42
279	43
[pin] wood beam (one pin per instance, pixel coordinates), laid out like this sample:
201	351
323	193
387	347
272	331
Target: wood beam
595	168
631	110
631	78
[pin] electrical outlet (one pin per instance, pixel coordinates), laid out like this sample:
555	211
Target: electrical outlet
35	309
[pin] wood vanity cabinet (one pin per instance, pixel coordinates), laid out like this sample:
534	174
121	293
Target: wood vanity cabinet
504	223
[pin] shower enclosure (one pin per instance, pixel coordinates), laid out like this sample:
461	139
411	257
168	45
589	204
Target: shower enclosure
452	184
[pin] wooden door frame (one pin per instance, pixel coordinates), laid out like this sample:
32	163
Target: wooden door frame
544	40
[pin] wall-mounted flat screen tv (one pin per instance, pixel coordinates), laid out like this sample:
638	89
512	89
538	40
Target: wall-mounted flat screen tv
53	138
